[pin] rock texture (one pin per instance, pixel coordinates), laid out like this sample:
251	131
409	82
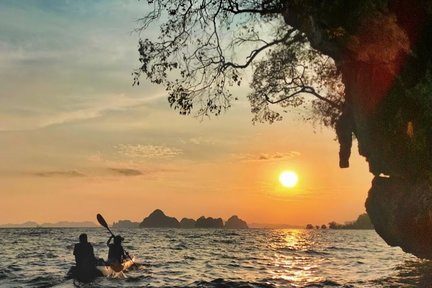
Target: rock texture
402	214
157	219
235	223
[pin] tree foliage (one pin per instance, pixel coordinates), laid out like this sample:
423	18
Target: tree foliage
203	48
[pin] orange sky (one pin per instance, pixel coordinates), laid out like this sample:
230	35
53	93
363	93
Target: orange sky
77	139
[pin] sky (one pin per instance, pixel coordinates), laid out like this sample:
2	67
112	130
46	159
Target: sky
77	139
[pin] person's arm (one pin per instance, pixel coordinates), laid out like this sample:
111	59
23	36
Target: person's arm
124	256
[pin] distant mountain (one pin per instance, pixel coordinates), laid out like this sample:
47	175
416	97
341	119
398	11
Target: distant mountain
125	224
61	224
28	224
158	219
235	223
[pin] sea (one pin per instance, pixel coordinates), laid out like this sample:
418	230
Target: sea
41	257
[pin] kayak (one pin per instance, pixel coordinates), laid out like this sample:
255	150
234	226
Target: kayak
103	269
116	270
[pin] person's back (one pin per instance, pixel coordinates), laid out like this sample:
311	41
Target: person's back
84	255
116	252
84	258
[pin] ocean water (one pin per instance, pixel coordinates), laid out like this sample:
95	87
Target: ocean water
217	258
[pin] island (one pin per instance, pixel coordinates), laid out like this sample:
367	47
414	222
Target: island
187	223
60	224
363	222
158	219
125	224
234	222
209	222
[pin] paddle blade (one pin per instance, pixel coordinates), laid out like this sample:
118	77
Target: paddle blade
101	220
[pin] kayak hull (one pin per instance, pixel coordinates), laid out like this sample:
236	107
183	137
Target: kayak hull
115	270
84	276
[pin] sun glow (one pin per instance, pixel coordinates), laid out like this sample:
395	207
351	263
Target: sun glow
288	179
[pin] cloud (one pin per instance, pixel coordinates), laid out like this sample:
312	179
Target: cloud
126	171
67	174
116	103
139	151
65	54
198	141
266	156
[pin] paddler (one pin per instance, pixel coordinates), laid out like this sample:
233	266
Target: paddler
85	259
116	253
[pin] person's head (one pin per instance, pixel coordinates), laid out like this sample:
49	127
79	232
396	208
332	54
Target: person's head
83	238
118	239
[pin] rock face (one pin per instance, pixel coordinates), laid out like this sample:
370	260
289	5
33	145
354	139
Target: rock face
187	223
235	223
157	219
209	222
402	214
385	60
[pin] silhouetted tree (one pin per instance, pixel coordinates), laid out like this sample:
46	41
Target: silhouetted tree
195	57
309	226
362	222
334	225
363	67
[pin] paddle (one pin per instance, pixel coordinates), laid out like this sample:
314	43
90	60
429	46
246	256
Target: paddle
102	222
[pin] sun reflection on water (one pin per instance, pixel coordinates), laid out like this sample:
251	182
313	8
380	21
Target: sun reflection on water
288	262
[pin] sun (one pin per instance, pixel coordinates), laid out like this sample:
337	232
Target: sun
288	179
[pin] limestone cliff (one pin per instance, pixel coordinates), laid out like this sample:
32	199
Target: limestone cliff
234	222
383	54
158	219
209	222
187	223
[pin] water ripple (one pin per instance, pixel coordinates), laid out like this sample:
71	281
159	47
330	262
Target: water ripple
217	258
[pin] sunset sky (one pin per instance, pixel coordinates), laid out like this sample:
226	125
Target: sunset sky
76	138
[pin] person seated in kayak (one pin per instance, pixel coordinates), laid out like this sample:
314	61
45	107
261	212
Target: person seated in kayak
116	253
84	255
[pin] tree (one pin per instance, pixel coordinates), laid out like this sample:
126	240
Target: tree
363	67
196	64
334	225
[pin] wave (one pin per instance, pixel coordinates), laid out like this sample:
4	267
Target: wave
221	283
